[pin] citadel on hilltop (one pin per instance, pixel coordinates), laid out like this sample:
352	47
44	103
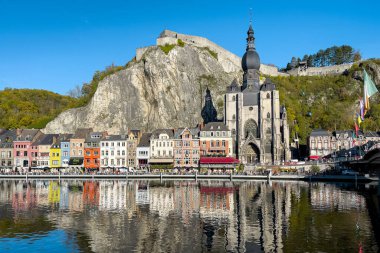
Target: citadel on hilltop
168	37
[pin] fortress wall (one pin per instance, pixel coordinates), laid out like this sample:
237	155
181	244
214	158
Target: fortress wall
271	70
320	71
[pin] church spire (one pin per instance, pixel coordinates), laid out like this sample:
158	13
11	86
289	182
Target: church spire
251	63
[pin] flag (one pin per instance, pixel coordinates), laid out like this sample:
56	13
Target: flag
356	129
369	90
353	135
359	119
361	109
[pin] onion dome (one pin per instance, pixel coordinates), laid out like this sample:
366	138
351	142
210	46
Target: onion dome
251	59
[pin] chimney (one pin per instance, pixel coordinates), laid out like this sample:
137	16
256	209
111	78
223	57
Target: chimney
18	131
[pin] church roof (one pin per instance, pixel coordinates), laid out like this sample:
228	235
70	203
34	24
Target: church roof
268	85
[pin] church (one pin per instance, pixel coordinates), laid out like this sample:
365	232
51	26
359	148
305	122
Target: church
253	113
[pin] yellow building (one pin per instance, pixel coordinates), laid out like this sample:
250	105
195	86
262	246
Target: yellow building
55	155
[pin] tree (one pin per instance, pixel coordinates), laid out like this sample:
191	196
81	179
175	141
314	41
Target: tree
76	92
357	56
293	63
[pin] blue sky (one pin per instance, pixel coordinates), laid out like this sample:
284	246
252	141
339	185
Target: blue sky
57	44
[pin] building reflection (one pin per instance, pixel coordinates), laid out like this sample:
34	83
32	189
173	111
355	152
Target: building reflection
153	216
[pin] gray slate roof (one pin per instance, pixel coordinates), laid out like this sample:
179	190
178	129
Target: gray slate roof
145	140
114	138
157	132
194	132
320	132
28	134
6	138
82	133
215	126
46	139
371	134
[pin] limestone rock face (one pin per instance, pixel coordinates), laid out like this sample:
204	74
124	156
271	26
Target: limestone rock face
158	91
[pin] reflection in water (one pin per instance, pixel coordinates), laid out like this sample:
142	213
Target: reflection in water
184	216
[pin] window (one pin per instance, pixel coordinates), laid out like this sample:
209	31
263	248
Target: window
233	131
268	95
268	115
233	98
25	153
96	153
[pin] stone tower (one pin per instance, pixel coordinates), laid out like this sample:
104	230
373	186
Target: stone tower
209	113
254	115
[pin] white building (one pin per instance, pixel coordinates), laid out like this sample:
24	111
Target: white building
143	151
113	151
161	147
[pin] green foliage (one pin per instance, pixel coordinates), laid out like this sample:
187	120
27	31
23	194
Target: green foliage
162	167
328	57
330	100
31	108
212	53
181	43
167	48
315	169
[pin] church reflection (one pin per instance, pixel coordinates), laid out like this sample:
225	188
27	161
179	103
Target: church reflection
190	216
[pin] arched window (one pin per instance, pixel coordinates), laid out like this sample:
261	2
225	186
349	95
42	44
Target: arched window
268	95
268	115
250	127
233	98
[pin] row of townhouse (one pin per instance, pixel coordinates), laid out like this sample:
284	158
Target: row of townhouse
207	146
323	143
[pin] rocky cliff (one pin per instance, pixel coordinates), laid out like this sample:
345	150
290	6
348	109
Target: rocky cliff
158	91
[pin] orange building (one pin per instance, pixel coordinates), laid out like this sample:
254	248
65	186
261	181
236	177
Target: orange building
216	140
92	151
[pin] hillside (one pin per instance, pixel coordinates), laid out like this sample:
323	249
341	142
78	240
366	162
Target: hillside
327	102
31	108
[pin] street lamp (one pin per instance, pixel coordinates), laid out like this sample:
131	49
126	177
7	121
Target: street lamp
350	154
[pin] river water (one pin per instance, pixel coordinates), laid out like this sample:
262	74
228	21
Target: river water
187	216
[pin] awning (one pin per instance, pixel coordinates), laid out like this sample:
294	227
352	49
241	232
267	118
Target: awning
161	160
219	160
314	157
76	161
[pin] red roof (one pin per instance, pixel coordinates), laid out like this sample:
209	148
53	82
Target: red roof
218	160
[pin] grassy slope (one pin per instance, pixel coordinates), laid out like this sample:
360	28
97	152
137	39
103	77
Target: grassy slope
31	108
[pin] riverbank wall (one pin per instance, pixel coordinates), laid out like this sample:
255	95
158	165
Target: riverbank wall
336	178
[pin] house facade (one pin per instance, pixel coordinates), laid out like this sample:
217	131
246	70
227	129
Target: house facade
77	147
216	140
22	151
143	151
186	148
161	149
6	149
113	151
92	150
